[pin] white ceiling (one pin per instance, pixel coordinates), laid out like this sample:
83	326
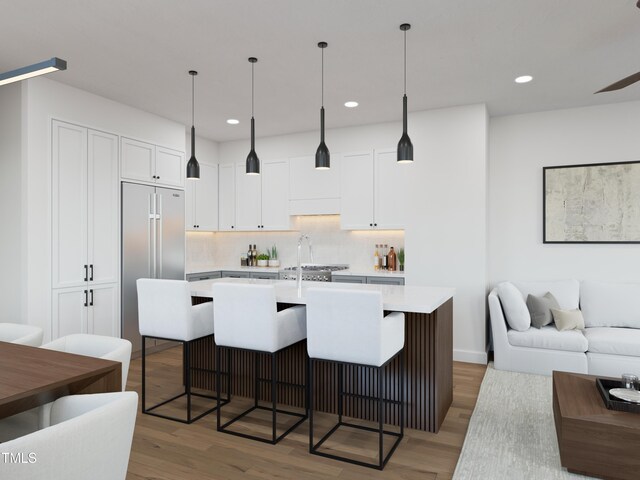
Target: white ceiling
460	52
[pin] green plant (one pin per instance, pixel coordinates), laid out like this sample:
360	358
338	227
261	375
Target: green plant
401	256
274	253
263	256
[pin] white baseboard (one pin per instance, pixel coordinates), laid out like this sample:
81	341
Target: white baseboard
469	356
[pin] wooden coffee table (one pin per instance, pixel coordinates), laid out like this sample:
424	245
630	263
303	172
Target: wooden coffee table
593	440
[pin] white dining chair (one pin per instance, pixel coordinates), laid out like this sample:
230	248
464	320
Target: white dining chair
348	328
21	334
247	320
165	312
87	437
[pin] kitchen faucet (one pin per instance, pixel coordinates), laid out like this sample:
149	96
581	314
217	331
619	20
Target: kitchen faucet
306	237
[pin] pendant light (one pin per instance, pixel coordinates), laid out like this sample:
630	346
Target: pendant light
405	147
253	162
323	158
193	167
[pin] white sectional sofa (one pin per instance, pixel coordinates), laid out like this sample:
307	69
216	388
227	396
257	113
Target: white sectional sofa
609	345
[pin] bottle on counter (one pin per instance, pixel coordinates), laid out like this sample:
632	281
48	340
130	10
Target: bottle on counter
254	252
385	257
249	257
376	258
392	260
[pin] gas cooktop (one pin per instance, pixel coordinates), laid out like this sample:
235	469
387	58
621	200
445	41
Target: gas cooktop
311	272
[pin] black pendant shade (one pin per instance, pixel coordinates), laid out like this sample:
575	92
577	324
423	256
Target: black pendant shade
193	167
323	157
405	147
253	162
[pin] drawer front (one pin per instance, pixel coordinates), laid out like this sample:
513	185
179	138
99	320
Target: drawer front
348	279
232	274
194	277
385	281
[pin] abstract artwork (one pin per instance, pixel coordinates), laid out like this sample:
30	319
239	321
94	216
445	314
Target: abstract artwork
597	203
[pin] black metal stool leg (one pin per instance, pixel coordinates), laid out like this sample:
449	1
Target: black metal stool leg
187	361
340	391
380	417
144	371
274	393
219	383
310	400
257	379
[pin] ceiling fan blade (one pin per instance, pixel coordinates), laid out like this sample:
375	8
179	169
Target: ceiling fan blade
625	82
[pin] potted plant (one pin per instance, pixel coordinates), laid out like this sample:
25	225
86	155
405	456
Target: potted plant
273	259
401	258
263	260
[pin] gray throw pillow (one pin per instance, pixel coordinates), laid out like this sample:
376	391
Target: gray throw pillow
540	309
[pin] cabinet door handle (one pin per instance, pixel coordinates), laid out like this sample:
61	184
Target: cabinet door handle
375	224
91	274
232	226
91	301
371	224
86	298
157	177
86	273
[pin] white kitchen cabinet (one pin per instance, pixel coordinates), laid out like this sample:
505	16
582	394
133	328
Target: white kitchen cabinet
145	162
86	310
248	200
275	195
373	194
312	191
227	197
356	203
85	227
202	200
390	195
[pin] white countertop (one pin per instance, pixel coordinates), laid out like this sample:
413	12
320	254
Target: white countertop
397	298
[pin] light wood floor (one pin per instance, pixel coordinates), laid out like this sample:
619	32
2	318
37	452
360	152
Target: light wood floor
163	449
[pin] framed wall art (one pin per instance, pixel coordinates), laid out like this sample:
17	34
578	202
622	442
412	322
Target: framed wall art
594	203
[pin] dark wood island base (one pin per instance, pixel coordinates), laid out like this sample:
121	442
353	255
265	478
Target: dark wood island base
428	355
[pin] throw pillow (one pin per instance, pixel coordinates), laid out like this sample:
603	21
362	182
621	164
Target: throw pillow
515	309
568	319
540	309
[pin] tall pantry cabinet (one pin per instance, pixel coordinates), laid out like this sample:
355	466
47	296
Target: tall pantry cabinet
85	231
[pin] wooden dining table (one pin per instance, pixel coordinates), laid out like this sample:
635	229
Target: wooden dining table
30	376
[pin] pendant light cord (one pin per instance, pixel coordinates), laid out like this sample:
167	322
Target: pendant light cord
405	62
252	94
322	82
193	103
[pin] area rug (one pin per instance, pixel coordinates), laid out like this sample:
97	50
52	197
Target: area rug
511	434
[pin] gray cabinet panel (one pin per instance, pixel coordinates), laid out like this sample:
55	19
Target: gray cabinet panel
232	274
385	281
348	279
194	277
265	275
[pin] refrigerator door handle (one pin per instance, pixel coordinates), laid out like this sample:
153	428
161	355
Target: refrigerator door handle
159	235
151	232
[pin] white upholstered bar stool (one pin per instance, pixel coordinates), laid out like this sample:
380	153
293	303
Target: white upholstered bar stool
349	328
165	312
247	320
21	334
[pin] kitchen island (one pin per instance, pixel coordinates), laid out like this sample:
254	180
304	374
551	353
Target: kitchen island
428	355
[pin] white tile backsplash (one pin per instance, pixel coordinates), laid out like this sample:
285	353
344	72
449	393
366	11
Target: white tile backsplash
330	244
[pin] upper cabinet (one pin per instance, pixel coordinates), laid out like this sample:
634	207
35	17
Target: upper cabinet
262	201
227	197
144	162
314	192
372	187
202	200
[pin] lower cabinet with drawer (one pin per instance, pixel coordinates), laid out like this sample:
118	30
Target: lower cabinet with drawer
374	280
194	277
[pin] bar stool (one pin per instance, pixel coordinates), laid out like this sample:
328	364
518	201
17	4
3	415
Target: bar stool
165	312
247	320
21	334
348	328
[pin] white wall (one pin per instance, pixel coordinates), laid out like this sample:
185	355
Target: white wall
445	239
520	146
47	99
206	150
11	277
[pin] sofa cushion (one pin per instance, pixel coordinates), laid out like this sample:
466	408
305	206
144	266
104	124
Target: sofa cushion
614	341
568	319
610	304
515	309
549	338
540	309
566	292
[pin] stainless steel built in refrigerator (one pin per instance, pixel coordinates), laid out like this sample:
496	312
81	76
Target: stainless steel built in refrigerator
152	245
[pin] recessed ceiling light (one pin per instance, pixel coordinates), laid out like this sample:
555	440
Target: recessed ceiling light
351	104
524	79
233	121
